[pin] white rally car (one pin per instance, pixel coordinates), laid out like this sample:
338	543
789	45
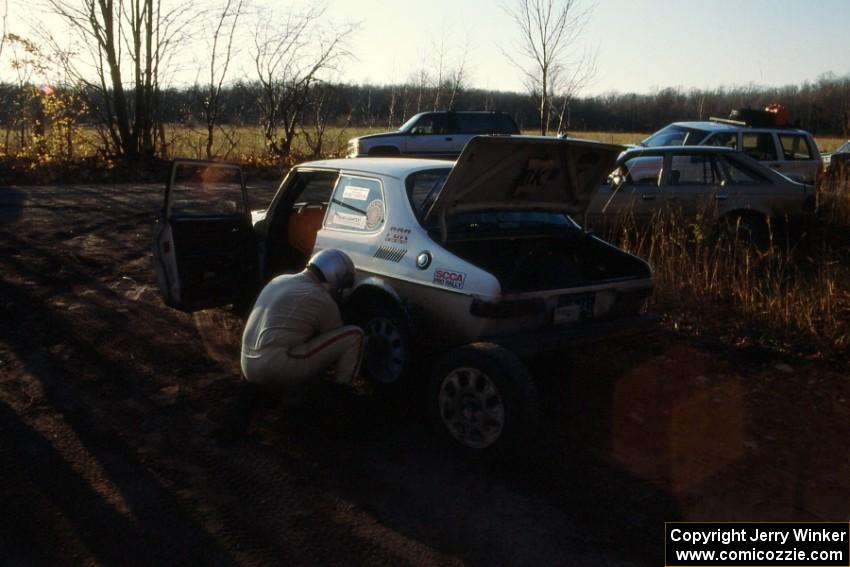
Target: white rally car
461	268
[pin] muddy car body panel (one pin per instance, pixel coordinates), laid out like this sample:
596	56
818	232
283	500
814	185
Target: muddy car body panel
466	255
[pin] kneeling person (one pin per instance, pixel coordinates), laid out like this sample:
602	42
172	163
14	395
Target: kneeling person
295	335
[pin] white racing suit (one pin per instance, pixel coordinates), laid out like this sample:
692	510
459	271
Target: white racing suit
295	334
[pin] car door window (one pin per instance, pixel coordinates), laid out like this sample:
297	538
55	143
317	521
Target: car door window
795	147
199	190
430	124
357	205
694	170
723	139
484	124
642	170
739	174
760	146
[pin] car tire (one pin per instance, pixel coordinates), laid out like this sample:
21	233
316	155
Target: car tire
751	228
483	399
388	347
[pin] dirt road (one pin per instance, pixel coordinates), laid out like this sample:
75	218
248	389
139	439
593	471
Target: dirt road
108	400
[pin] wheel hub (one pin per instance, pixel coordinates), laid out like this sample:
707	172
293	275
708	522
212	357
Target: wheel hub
385	353
471	407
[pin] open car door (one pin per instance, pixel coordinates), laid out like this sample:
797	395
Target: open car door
204	246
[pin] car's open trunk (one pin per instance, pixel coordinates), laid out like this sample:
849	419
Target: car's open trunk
543	262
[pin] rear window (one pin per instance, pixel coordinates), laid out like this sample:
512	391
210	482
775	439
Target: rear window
795	147
485	124
675	135
423	187
357	205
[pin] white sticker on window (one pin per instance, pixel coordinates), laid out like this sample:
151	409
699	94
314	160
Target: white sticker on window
374	214
347	219
355	193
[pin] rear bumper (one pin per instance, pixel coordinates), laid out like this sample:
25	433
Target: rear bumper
567	336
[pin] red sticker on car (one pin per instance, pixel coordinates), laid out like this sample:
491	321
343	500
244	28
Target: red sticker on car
449	278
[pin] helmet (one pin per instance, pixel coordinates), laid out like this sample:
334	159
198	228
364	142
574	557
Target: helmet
335	266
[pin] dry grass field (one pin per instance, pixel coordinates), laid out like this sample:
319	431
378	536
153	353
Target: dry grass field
792	298
246	143
190	142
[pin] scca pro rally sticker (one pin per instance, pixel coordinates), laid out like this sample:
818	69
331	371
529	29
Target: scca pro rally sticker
449	278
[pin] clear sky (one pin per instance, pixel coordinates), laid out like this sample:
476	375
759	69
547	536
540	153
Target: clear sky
642	44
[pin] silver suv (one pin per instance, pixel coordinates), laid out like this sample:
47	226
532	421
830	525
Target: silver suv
433	135
789	151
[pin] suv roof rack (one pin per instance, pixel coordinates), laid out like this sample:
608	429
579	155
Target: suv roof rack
728	121
748	125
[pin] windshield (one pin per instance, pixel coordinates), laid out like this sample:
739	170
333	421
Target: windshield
675	135
409	124
843	148
423	187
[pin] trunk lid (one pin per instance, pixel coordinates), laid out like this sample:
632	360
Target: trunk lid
525	173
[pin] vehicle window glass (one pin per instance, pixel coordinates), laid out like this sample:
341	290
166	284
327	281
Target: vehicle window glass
723	139
694	170
674	135
500	222
430	124
357	204
315	187
740	174
843	148
423	187
642	170
468	123
795	146
206	190
760	146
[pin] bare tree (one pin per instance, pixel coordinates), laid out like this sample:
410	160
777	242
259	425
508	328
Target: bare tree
546	52
127	42
289	59
449	75
318	115
220	53
457	78
3	23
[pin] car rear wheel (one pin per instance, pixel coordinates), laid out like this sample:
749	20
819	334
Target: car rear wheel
482	397
387	355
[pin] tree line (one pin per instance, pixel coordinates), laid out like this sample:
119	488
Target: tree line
115	78
822	107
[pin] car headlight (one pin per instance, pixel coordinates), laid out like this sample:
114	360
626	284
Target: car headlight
353	147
